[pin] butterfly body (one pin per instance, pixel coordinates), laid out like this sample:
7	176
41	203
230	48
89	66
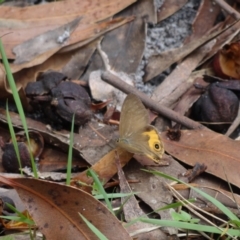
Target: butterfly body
135	134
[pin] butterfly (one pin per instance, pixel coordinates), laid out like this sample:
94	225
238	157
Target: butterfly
135	134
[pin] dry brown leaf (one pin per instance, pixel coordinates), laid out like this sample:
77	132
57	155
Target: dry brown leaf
28	22
3	82
152	189
203	20
85	36
163	93
95	140
190	97
129	37
93	31
224	38
37	61
106	167
79	59
218	152
132	210
55	160
168	8
126	37
60	11
55	209
179	95
53	39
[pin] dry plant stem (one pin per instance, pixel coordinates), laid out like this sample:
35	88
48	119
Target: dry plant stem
223	192
235	14
101	136
119	84
234	125
193	208
98	133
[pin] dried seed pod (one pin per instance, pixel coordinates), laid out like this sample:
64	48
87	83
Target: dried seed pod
217	105
46	81
9	158
59	99
70	98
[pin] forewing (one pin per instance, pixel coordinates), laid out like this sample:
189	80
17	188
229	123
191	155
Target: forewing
134	116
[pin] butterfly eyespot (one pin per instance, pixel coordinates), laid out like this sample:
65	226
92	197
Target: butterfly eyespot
157	146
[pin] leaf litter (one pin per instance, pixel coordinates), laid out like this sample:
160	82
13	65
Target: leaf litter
120	31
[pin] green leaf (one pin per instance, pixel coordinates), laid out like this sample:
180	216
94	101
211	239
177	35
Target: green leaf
181	216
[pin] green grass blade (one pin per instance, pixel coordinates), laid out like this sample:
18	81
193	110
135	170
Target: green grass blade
20	216
175	205
10	206
14	139
100	188
19	219
70	150
218	204
93	228
189	226
17	101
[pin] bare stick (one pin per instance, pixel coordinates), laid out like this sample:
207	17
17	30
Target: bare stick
148	102
234	125
235	14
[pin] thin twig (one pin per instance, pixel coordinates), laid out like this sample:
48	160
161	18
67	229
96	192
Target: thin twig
148	102
194	209
234	125
235	14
